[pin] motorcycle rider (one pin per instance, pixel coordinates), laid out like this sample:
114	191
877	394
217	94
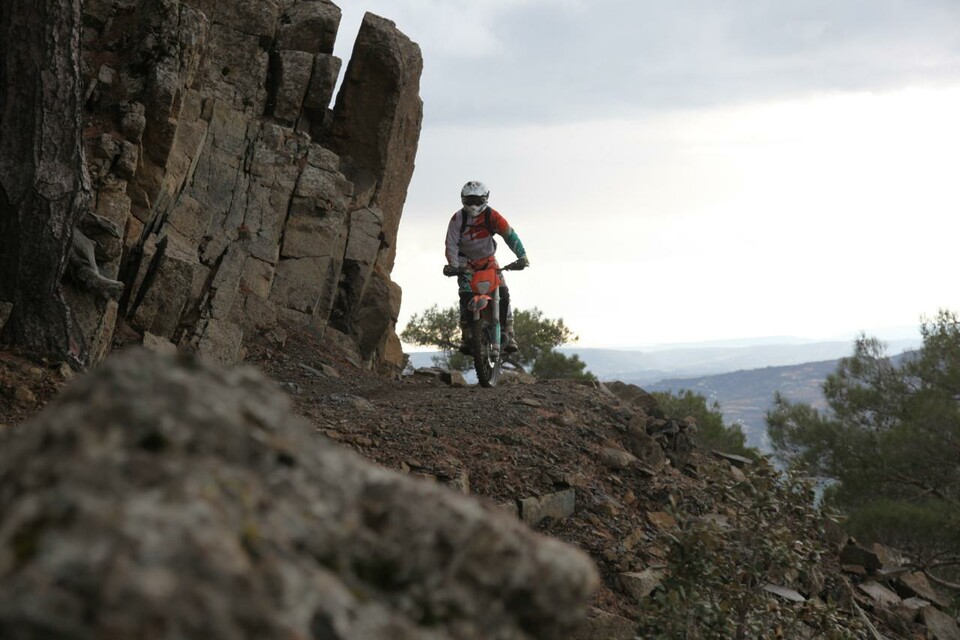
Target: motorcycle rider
469	240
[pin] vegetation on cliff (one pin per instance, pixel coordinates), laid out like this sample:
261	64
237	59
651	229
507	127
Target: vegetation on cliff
741	570
712	431
888	446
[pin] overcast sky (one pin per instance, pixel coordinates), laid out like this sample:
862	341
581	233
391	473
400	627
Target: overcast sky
691	170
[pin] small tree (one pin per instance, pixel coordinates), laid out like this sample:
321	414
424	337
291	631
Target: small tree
439	328
554	364
712	432
538	335
889	443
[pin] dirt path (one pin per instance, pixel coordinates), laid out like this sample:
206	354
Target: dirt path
504	444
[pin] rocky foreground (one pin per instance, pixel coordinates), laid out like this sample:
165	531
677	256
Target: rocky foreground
161	497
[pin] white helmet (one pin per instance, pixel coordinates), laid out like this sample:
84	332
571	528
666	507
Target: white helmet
474	197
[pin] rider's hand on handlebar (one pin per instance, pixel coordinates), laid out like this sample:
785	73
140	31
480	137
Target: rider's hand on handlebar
525	260
450	270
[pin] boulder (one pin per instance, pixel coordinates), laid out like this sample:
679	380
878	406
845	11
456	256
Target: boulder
601	625
511	377
662	520
378	313
940	626
880	594
24	397
391	360
557	505
158	344
640	584
309	26
634	396
647	450
167	498
788	594
453	378
733	459
854	554
916	585
615	458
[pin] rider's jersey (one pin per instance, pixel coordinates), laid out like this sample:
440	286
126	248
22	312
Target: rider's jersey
476	240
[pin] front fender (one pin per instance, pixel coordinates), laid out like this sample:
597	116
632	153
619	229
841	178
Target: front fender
479	303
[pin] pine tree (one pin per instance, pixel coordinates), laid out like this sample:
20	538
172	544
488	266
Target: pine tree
889	445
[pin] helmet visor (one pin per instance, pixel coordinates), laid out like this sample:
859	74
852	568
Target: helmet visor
474	200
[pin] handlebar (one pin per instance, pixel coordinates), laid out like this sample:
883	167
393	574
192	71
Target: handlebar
449	271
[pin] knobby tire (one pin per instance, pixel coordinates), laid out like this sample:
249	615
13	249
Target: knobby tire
485	364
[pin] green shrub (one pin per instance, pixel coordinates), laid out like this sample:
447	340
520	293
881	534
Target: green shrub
764	530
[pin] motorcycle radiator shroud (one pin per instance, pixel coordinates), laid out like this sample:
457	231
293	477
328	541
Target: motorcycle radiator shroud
482	283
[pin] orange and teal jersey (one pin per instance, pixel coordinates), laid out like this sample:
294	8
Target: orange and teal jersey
472	239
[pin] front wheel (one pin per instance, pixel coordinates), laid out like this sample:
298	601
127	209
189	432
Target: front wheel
486	359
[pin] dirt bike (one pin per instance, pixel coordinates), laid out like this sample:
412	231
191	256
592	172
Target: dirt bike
485	305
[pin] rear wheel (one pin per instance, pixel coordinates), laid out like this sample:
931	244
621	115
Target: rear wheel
486	360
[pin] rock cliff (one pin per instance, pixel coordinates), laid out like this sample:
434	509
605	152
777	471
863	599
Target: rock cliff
244	199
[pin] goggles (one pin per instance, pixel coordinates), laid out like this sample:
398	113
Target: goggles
474	200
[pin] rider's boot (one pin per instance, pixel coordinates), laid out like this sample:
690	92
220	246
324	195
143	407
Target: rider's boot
466	337
510	344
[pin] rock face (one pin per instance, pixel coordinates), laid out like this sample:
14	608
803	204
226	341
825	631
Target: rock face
166	498
244	199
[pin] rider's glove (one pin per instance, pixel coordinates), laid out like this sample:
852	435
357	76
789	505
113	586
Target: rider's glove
525	260
450	270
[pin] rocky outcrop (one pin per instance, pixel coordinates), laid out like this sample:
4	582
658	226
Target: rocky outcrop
889	587
381	87
244	199
166	498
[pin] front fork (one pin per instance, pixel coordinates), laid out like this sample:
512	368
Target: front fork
494	308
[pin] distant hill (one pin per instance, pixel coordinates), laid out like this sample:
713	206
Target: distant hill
651	366
746	396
